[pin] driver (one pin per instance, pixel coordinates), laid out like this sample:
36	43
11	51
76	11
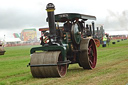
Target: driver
67	26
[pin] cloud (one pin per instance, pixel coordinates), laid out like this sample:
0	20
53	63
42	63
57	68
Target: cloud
16	15
116	21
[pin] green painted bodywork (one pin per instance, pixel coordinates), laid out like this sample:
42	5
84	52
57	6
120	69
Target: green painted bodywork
64	48
51	48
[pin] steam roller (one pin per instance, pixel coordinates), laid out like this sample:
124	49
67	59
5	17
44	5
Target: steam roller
63	44
2	51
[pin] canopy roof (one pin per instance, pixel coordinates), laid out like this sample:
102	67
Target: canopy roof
72	16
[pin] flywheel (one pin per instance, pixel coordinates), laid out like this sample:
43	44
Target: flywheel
88	53
45	64
76	33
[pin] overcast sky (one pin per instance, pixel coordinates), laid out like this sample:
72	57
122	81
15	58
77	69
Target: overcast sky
16	15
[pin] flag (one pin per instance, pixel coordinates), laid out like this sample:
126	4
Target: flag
16	35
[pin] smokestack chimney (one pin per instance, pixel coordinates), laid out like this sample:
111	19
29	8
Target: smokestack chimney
90	30
51	18
93	27
97	31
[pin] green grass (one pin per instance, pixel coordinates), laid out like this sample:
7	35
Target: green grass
13	65
111	69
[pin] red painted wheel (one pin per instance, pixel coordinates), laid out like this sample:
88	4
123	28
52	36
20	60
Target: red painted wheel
92	54
88	54
97	42
62	69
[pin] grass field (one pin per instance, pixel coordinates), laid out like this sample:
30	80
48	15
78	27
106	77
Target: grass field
111	69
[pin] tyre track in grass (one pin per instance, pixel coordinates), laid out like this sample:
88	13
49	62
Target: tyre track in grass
6	79
111	74
77	75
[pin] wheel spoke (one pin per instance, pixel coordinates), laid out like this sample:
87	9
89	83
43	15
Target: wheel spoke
89	50
90	57
91	62
90	46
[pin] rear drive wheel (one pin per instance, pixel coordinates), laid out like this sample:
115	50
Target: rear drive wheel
88	54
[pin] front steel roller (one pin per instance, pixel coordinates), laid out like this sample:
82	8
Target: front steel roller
88	54
49	68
